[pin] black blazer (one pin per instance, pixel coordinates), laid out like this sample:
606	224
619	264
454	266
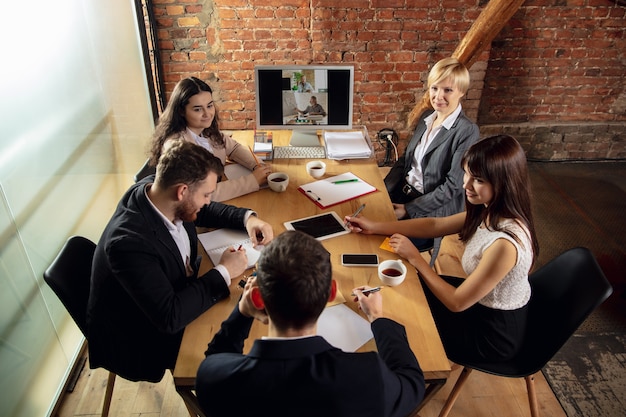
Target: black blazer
308	377
141	298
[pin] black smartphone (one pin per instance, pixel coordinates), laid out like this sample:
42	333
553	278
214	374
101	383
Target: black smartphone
359	259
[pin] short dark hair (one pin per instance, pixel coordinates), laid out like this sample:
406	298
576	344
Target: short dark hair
186	163
294	276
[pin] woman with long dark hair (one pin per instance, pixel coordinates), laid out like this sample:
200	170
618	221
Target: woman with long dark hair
190	115
482	316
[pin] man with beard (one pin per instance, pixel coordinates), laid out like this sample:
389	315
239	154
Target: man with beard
145	287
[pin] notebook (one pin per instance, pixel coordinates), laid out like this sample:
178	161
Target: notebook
217	241
335	190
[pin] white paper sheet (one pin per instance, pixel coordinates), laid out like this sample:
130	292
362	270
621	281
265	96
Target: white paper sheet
343	328
217	241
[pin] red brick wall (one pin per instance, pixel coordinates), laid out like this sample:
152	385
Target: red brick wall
393	43
556	80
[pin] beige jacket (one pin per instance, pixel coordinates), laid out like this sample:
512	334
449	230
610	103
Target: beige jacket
232	151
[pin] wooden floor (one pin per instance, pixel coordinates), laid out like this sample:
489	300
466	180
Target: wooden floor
483	395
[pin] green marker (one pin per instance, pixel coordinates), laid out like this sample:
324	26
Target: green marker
344	181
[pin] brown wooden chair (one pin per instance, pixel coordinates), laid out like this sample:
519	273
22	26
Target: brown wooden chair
69	276
564	292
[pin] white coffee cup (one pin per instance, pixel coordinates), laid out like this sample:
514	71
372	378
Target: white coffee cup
316	168
391	272
278	181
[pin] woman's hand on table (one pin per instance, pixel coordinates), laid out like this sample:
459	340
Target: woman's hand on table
403	246
261	172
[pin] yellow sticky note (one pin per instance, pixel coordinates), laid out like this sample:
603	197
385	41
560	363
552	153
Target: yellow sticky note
385	245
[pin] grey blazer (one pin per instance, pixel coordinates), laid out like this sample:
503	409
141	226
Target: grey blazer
443	174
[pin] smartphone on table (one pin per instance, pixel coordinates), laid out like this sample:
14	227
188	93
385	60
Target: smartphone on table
359	259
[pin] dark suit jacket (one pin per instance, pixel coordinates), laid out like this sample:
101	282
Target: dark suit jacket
441	166
308	377
141	299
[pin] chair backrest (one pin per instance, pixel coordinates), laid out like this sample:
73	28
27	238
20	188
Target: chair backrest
144	171
564	292
69	276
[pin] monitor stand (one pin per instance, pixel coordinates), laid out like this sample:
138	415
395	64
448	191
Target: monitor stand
304	138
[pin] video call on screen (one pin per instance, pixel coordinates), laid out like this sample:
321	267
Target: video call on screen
271	85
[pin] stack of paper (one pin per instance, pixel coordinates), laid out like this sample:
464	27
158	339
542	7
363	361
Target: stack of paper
346	145
263	145
263	151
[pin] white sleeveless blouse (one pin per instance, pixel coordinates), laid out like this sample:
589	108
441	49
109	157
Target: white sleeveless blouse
514	290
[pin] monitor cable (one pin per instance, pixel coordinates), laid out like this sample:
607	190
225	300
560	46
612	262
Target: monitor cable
388	140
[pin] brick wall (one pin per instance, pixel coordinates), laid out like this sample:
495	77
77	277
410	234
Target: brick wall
393	43
555	80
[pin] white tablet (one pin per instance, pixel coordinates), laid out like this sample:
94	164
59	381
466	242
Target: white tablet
321	226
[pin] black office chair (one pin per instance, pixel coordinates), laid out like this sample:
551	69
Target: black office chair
564	292
69	276
145	170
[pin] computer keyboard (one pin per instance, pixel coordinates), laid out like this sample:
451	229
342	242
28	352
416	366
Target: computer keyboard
299	152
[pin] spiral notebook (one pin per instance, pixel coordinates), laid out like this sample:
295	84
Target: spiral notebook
217	241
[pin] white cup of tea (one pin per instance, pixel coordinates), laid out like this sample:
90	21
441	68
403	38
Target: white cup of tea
278	181
316	168
391	272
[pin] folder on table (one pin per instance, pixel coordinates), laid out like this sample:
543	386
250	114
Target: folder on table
327	192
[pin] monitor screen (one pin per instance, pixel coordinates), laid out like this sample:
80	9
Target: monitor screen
304	97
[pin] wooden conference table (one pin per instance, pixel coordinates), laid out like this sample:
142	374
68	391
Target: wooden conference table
405	303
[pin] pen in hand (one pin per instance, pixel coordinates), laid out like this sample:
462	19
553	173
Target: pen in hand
369	291
356	213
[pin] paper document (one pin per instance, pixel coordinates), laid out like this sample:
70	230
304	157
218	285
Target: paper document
346	145
343	328
334	190
217	241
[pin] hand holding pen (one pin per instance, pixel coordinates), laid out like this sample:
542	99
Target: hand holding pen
370	301
356	213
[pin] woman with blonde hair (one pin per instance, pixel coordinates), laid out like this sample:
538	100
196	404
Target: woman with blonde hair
427	180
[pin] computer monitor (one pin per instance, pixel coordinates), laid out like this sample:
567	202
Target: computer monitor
304	99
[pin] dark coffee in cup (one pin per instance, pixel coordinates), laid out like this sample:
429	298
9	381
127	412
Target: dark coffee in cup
279	179
391	272
316	167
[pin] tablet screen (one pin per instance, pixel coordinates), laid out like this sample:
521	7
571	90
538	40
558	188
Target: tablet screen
321	226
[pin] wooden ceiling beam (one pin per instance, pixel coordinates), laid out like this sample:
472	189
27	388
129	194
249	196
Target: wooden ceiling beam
486	27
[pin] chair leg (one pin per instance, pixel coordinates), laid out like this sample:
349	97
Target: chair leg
108	394
532	397
454	394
